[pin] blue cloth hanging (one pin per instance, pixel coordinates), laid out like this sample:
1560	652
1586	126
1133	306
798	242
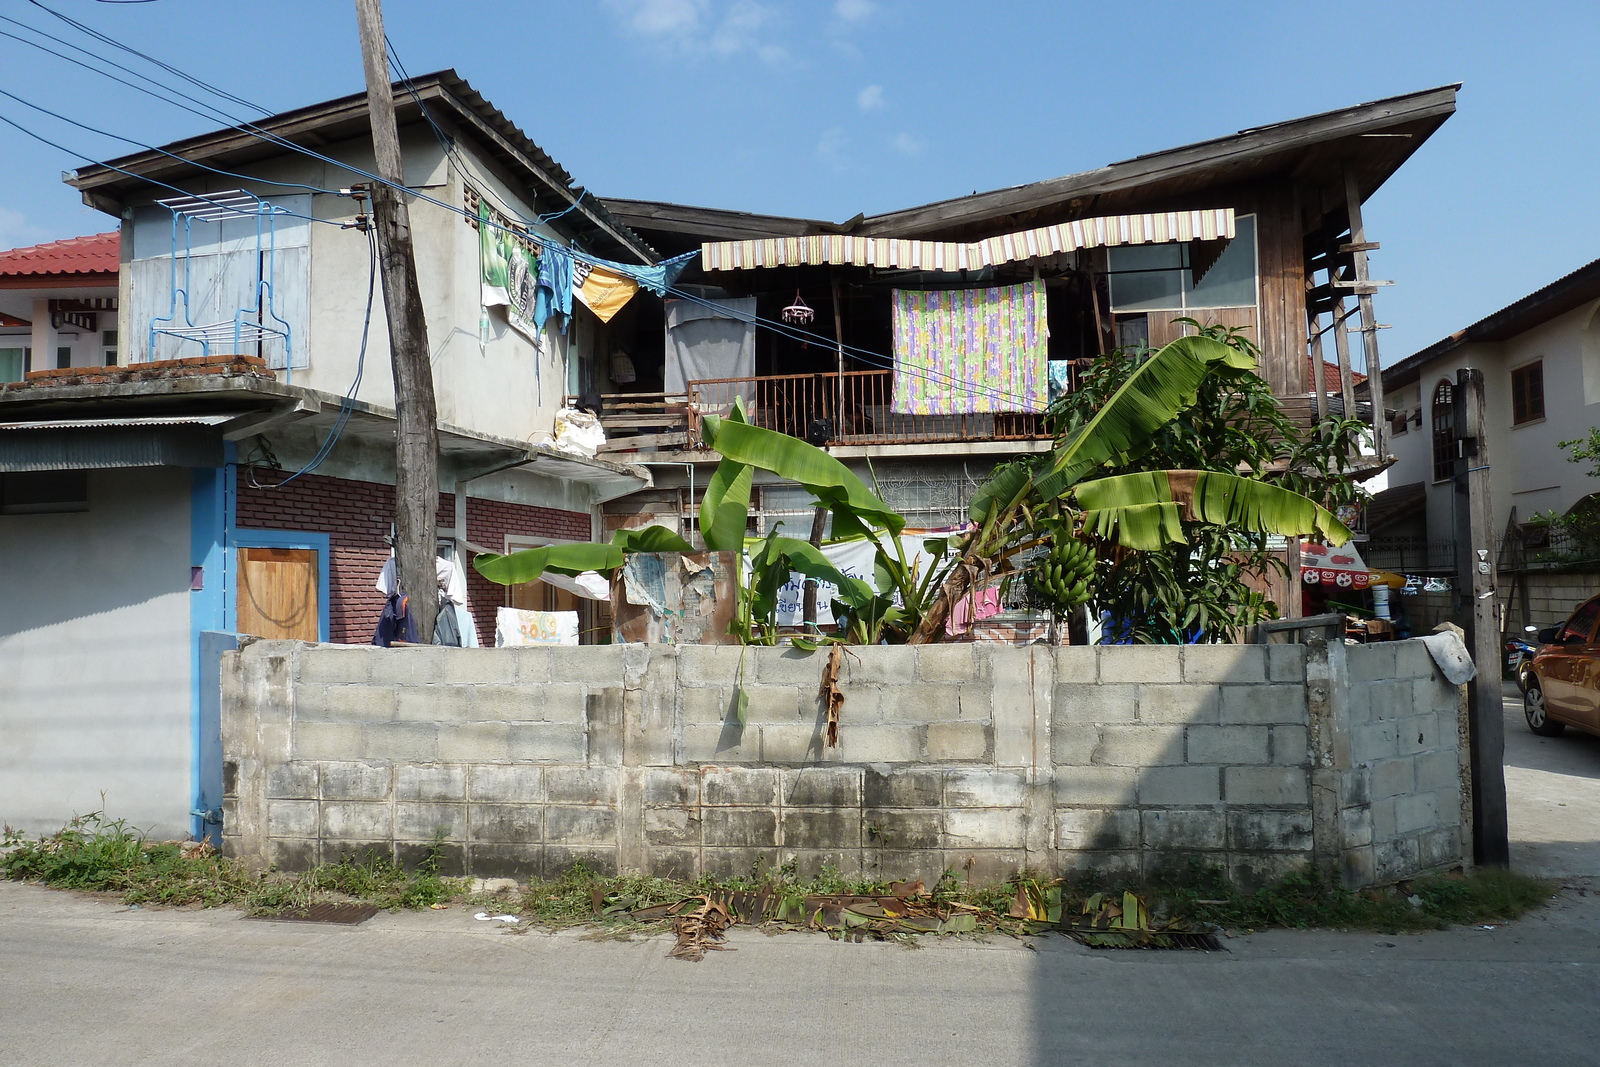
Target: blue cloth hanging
554	295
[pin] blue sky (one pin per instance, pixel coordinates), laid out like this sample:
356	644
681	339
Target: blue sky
827	108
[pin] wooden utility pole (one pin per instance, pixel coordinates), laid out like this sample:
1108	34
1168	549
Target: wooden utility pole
1475	566
416	441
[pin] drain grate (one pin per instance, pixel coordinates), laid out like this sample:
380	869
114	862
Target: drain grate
326	912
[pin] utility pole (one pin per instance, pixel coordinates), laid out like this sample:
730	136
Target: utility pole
1475	564
416	443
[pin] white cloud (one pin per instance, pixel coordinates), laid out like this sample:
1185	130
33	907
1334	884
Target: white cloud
16	231
870	98
853	10
831	147
908	144
660	18
699	27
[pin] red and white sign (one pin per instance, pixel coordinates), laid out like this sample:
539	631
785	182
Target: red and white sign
1341	568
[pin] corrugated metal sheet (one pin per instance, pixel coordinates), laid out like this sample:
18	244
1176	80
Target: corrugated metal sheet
112	446
841	249
142	420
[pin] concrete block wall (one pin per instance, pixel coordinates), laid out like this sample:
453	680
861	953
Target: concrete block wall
979	758
1552	597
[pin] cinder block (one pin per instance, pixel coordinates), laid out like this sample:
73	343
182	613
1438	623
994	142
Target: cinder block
918	702
737	862
294	781
344	703
506	784
880	665
712	665
947	742
709	704
1381	813
1355	827
1180	703
821	828
947	663
1420	733
1438	770
836	787
1358	867
1147	663
415	742
984	789
967	828
292	818
1179	785
1140	745
1416	811
748	827
354	821
1229	744
326	741
419	822
1107	786
431	783
1436	694
332	664
533	665
809	863
1266	785
293	854
597	666
777	703
1077	664
474	742
1112	865
879	744
671	826
433	703
556	742
1396	859
1393	777
1439	848
512	703
786	666
580	826
1255	871
1269	831
1203	830
1213	664
986	866
1106	830
1263	704
910	787
498	860
904	865
581	785
1412	660
1074	744
1286	663
1372	741
720	742
602	721
1392	699
975	701
791	742
897	828
1291	745
415	665
504	823
670	786
1094	703
597	859
1371	663
721	786
357	781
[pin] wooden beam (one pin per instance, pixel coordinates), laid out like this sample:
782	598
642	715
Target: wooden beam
1369	334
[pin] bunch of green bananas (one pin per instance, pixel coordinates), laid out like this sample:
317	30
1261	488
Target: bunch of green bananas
1063	576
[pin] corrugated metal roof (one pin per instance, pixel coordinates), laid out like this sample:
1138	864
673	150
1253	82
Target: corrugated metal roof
144	420
96	254
1161	227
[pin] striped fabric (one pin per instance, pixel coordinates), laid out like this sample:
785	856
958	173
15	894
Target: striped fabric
844	250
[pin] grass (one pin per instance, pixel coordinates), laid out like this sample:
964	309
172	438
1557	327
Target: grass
95	853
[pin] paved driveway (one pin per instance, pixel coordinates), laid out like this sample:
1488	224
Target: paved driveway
1553	798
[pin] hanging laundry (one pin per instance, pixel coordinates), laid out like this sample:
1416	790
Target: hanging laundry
515	628
395	623
976	606
554	296
509	270
966	351
709	339
602	291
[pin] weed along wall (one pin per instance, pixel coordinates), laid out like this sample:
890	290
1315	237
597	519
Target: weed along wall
977	758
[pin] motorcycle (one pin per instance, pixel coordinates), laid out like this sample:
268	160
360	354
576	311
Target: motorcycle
1519	657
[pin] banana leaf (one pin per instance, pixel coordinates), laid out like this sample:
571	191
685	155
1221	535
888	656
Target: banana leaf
526	566
652	538
1144	510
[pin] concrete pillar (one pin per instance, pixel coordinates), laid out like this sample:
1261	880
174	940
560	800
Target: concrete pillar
44	339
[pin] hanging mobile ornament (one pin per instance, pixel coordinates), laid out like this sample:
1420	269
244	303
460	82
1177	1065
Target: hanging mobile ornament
799	313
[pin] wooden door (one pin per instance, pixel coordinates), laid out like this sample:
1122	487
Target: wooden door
278	594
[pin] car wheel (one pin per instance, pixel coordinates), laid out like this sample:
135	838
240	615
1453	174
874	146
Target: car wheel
1525	675
1533	710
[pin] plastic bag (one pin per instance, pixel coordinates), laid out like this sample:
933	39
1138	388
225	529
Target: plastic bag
578	433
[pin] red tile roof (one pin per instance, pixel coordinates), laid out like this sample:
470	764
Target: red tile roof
1330	376
96	254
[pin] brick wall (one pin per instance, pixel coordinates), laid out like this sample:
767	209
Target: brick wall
356	516
981	758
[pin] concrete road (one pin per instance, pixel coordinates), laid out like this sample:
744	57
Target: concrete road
87	982
1552	798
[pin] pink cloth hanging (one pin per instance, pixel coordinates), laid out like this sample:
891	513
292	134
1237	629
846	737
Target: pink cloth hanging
976	606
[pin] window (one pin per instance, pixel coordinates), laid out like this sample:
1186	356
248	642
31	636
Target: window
38	492
63	357
1161	277
1400	424
13	363
1581	624
1527	393
1444	432
108	347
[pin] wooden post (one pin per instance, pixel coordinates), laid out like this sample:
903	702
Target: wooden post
1369	326
416	439
1475	574
1341	344
819	523
1318	369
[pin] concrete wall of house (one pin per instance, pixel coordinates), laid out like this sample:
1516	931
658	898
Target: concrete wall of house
982	759
95	657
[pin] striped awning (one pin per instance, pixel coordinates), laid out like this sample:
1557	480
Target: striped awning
844	250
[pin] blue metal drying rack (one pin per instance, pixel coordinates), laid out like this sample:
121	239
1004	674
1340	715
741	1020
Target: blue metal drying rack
249	325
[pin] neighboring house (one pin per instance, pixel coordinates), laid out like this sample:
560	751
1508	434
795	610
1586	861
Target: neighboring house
1259	230
151	490
1540	358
